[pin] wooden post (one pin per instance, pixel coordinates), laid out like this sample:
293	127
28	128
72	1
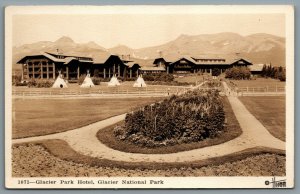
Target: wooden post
119	70
104	73
114	70
27	69
67	72
130	73
53	70
22	72
210	71
78	72
33	73
167	69
47	70
125	72
109	72
42	76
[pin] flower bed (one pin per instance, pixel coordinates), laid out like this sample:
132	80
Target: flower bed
192	117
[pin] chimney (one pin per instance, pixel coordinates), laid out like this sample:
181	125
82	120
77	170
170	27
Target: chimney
160	54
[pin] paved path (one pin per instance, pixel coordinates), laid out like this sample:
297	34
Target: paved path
84	140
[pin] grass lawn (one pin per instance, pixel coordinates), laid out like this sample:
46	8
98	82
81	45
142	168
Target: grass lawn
259	82
33	117
270	111
232	131
191	78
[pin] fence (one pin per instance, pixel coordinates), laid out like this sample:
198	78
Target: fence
261	91
157	91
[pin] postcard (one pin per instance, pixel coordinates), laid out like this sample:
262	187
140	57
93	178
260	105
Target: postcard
173	96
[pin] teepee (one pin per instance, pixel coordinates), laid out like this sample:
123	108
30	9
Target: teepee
113	81
87	82
139	82
59	82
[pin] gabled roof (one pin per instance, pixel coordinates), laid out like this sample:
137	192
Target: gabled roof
167	59
188	58
131	64
101	59
158	59
55	58
211	60
241	59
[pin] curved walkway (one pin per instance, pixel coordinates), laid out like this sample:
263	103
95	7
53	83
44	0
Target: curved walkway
84	140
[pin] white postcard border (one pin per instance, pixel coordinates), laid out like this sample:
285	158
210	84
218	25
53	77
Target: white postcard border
169	182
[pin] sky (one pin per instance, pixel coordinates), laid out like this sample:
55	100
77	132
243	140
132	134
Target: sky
138	30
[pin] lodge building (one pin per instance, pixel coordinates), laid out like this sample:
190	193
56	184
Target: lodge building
48	65
189	64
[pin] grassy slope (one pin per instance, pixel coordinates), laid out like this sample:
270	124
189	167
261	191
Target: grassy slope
191	78
270	110
232	131
32	117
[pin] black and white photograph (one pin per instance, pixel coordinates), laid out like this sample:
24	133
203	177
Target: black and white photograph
182	96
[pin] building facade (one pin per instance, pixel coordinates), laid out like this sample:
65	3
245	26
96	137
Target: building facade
48	66
189	64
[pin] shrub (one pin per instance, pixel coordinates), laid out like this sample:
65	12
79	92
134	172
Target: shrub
212	84
33	83
165	77
238	73
96	73
129	79
282	76
216	72
191	117
172	83
16	80
22	84
119	132
120	78
96	80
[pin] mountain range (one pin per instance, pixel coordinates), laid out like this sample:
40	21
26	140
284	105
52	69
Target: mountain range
258	48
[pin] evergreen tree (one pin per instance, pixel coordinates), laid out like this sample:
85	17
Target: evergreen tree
264	70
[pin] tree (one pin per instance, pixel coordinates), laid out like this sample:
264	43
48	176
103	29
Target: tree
282	76
264	70
16	79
